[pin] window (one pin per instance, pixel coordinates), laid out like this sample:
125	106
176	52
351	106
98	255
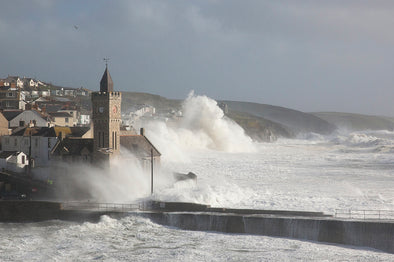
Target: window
23	159
10	94
21	123
66	119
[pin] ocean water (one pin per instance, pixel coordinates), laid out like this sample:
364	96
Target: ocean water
353	170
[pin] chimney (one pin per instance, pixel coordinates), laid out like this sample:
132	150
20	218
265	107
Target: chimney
142	131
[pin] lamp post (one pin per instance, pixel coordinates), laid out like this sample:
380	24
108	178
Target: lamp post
151	168
29	166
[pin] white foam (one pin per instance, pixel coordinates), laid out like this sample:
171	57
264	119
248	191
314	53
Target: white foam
202	127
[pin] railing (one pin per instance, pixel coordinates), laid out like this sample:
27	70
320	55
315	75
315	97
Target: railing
365	214
104	207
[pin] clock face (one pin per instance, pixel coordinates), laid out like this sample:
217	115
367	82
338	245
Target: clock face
101	109
114	109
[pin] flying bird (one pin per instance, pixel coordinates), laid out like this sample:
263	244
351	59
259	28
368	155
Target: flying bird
76	27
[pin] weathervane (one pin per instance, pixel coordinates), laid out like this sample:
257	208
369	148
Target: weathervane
106	61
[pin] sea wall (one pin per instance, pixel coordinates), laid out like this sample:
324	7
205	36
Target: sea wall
28	211
17	211
374	234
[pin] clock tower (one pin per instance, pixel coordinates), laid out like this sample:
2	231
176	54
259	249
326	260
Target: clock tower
106	118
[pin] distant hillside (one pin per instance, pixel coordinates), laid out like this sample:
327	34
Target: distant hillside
294	121
258	128
160	103
356	122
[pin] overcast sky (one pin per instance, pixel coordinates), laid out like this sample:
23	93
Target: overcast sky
306	55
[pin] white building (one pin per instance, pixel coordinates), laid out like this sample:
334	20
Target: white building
13	161
41	146
29	117
84	120
144	110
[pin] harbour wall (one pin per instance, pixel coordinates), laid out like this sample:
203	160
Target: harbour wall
34	211
374	234
312	226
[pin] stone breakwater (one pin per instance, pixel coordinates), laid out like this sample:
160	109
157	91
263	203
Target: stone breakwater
312	226
373	234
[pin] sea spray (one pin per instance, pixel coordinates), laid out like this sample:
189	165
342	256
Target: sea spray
125	181
203	126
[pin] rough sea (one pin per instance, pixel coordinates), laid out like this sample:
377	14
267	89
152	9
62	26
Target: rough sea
346	170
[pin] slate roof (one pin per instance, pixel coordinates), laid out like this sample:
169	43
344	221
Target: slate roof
79	131
138	145
6	154
11	114
73	146
60	114
49	108
51	131
106	84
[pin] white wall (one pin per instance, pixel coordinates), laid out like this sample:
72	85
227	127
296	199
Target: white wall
40	147
26	116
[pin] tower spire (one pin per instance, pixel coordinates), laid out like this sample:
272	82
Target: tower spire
106	84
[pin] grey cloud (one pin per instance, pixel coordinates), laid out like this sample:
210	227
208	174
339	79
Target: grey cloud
308	55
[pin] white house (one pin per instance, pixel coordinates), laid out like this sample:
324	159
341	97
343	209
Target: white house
29	117
45	93
30	82
39	146
14	161
143	110
69	92
84	120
